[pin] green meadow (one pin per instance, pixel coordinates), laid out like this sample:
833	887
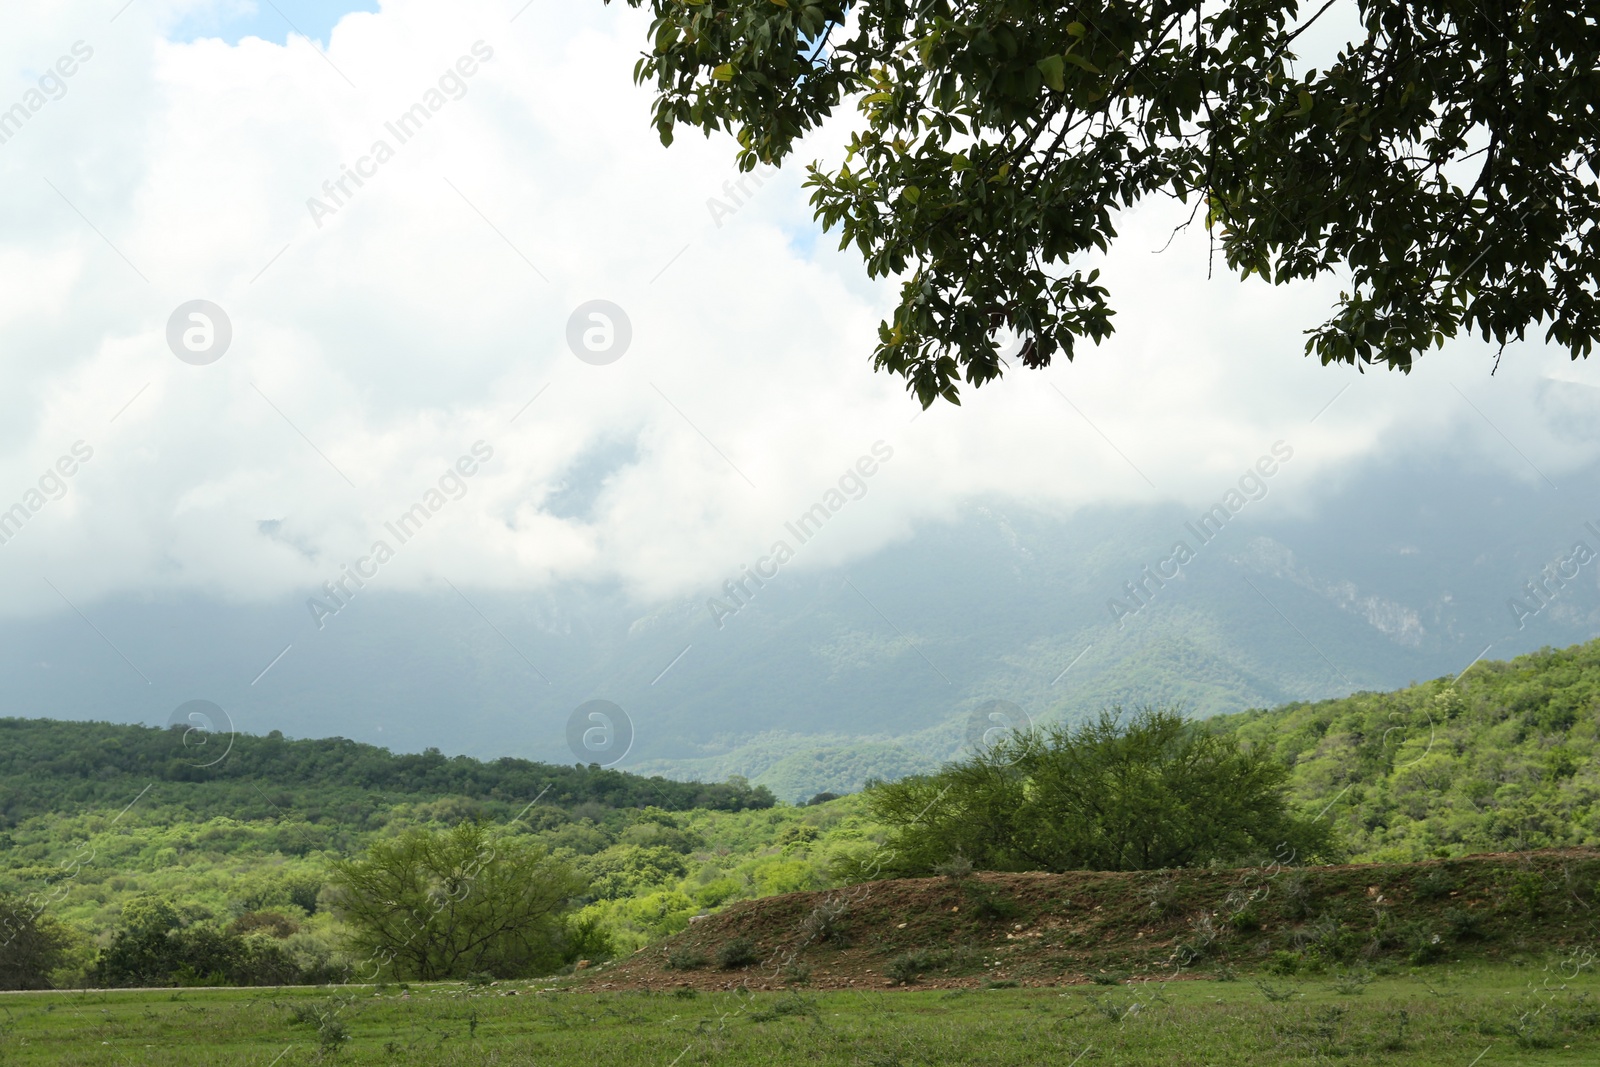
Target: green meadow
1450	1017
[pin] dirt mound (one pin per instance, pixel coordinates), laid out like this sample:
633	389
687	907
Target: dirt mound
1052	929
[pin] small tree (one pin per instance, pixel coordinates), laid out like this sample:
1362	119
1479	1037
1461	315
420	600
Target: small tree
143	950
157	945
31	945
445	904
1155	791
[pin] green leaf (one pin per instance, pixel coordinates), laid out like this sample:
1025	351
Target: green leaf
1079	61
723	73
911	193
1054	72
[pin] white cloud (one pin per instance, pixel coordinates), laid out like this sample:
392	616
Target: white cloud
411	324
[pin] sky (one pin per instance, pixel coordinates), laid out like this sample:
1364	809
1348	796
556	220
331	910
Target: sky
385	338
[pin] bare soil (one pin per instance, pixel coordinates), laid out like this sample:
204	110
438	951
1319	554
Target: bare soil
1063	929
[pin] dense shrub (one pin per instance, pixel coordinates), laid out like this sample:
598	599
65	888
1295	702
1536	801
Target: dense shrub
683	958
445	904
1145	793
740	952
909	966
31	944
155	946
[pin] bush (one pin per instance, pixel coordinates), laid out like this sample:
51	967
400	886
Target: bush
155	946
31	945
1434	885
740	952
909	966
1284	963
1464	924
1527	892
507	902
955	868
1150	792
796	972
683	958
1352	983
785	876
1423	945
825	923
1329	941
1299	896
1161	897
985	903
324	1018
1277	994
718	891
586	938
273	923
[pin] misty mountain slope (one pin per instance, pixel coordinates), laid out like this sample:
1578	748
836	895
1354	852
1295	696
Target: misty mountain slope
895	650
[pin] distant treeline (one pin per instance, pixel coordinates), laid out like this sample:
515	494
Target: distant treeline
50	766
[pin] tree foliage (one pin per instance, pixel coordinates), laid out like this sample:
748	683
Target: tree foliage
1442	165
1151	792
31	944
158	945
432	905
48	766
1503	758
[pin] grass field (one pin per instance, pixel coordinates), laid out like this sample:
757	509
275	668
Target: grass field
1450	1016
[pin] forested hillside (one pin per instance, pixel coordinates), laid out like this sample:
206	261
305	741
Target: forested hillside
1503	758
104	822
74	767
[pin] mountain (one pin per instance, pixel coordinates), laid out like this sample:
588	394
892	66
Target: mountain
831	675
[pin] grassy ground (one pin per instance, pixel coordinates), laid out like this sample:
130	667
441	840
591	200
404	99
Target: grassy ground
1442	1015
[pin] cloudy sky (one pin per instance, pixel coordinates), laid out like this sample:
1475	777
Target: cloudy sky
378	334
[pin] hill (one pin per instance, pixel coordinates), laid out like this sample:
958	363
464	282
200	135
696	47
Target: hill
59	767
1046	929
1505	757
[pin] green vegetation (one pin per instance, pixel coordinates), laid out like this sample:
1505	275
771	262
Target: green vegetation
251	897
454	903
1506	758
157	945
49	767
999	140
1534	1015
32	945
107	876
1151	792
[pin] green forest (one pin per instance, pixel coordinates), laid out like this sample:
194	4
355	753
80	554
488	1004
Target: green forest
110	833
